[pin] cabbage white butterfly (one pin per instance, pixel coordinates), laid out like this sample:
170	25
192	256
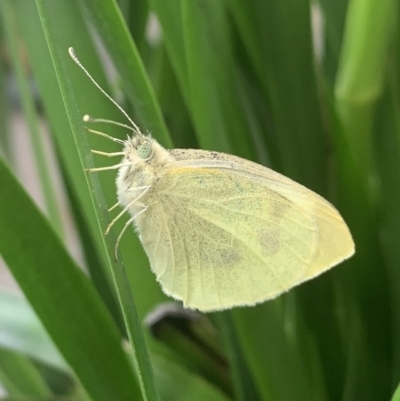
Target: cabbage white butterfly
221	231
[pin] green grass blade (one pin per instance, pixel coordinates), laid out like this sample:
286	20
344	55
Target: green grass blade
367	320
108	20
241	378
214	94
62	297
177	384
136	15
359	80
74	31
94	265
122	287
21	331
277	37
273	360
396	395
333	21
193	33
135	81
165	83
203	101
387	151
22	377
4	112
12	36
43	72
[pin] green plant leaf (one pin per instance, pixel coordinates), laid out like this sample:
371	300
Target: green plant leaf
63	298
21	331
177	384
20	376
112	28
122	287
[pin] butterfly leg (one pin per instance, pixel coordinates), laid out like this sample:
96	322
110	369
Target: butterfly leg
118	204
126	208
125	227
111	138
113	206
99	152
114	167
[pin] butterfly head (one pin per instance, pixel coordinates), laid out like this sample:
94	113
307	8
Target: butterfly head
140	147
143	151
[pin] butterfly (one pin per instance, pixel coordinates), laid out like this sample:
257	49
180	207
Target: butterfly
221	231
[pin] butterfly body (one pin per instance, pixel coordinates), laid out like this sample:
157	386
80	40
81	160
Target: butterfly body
221	231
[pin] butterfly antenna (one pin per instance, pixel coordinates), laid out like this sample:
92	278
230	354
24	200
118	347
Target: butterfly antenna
89	119
111	138
134	127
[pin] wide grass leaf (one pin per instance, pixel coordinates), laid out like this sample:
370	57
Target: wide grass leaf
63	298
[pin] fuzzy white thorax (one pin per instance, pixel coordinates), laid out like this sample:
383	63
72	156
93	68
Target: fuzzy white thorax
140	172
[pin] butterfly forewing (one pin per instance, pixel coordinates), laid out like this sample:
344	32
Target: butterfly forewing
217	238
335	242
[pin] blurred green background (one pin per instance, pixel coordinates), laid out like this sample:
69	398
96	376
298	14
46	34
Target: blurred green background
308	88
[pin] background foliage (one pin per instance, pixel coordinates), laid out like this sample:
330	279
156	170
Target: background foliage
311	89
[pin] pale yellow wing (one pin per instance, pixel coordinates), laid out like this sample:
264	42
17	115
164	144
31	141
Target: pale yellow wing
222	233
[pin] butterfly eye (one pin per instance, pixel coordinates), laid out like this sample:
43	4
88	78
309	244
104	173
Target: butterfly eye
144	151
